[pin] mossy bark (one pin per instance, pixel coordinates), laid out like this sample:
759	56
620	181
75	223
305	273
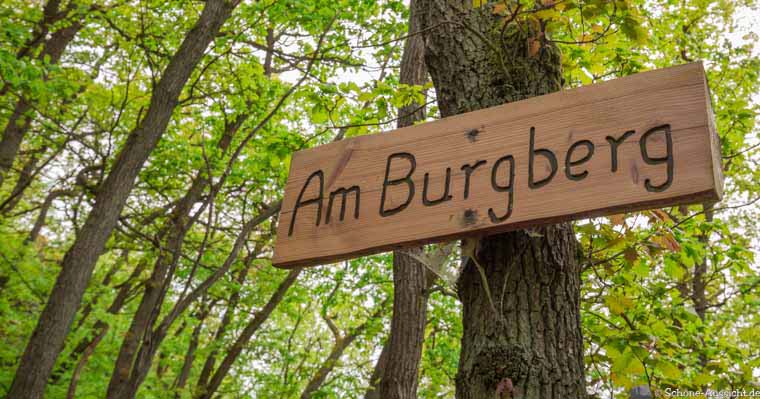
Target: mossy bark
531	345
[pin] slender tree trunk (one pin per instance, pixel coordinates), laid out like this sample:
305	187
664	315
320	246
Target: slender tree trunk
39	223
127	387
206	391
88	351
373	392
100	327
319	378
400	367
19	122
530	346
342	342
13	134
187	364
699	284
399	362
179	223
210	362
49	335
24	180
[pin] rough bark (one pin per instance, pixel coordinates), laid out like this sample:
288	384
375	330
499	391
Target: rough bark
208	390
49	335
531	345
398	365
411	282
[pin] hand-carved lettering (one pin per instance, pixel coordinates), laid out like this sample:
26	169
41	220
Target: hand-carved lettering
502	179
569	162
406	179
614	143
531	157
467	173
668	158
509	187
444	197
343	192
318	199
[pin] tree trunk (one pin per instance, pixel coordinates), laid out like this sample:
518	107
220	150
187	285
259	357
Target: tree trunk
50	333
342	342
401	357
207	390
19	122
173	232
373	392
232	303
530	346
411	281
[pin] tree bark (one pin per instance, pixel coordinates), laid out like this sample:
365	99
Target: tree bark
530	346
398	365
411	282
49	335
373	392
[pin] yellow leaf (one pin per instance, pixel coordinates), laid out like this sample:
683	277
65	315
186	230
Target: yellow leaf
597	28
670	242
630	254
617	303
669	370
618	219
499	9
533	46
662	215
546	14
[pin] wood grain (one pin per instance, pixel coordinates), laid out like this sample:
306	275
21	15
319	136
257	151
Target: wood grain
675	97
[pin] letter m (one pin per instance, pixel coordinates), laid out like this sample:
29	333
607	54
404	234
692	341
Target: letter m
343	192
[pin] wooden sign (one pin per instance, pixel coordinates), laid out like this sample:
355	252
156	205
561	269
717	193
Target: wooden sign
642	141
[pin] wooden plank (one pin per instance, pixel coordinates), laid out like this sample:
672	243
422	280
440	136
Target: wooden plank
657	125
